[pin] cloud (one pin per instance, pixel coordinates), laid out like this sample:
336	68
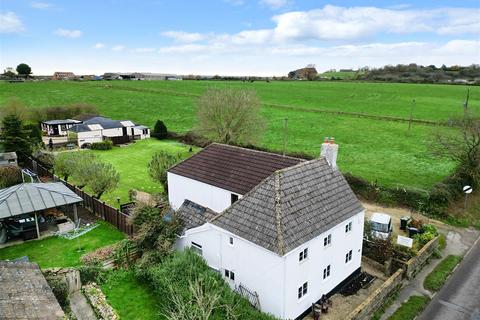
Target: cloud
10	23
335	23
144	50
68	33
99	45
40	5
187	37
118	48
274	4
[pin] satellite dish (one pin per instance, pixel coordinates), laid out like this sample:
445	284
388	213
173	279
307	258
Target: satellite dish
467	189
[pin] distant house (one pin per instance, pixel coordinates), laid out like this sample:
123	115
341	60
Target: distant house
93	129
63	76
58	127
287	230
8	159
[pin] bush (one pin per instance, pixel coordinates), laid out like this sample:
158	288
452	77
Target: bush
189	286
160	130
10	176
435	280
104	145
60	290
92	273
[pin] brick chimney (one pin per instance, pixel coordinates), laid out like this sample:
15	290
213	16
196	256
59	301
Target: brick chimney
329	151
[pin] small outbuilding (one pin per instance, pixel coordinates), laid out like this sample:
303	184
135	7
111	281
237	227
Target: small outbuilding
8	159
31	199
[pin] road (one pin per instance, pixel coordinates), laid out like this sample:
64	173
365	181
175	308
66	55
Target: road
459	299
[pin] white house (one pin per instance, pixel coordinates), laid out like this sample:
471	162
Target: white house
94	129
58	127
219	175
292	238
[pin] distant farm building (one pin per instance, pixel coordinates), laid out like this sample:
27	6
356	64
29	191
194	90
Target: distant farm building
63	76
140	76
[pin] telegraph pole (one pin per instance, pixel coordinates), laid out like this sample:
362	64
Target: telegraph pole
411	116
285	135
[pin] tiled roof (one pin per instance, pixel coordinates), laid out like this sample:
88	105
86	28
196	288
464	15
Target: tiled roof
25	294
232	168
194	215
106	123
291	207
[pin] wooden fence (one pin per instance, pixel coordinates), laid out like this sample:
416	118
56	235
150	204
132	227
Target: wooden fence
99	208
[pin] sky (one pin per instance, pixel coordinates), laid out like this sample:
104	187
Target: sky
235	37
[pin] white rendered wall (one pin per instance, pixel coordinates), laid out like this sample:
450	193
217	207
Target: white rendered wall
89	137
115	132
311	269
255	268
181	188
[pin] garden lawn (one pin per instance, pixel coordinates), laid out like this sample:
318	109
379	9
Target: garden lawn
377	150
131	162
58	252
435	280
410	309
130	298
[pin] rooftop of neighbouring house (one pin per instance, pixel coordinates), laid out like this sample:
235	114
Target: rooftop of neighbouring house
25	293
232	168
65	121
291	207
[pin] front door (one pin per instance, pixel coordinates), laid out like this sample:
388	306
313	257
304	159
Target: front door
55	130
124	131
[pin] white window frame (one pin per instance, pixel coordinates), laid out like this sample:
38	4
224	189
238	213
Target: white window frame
348	227
302	291
303	255
348	256
327	272
327	241
229	274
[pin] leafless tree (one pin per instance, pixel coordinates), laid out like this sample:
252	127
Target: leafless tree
462	147
230	116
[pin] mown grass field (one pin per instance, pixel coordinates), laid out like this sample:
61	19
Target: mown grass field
58	252
377	150
131	162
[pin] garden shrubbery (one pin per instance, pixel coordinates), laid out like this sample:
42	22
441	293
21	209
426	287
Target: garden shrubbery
191	290
10	176
104	145
160	130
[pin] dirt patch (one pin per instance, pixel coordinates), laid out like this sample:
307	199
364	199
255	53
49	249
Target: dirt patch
397	213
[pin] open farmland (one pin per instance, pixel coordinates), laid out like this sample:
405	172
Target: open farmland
375	149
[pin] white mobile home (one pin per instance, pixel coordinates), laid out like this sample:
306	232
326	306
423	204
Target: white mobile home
292	238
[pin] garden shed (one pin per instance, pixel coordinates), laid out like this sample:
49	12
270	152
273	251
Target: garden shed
27	200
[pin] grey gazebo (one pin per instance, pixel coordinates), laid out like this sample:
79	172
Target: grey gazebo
33	197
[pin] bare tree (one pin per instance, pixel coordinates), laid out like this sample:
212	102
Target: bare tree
230	115
463	147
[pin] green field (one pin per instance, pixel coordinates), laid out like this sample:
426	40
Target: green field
375	149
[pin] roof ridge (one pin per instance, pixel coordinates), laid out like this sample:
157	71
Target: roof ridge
255	150
14	189
279	214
